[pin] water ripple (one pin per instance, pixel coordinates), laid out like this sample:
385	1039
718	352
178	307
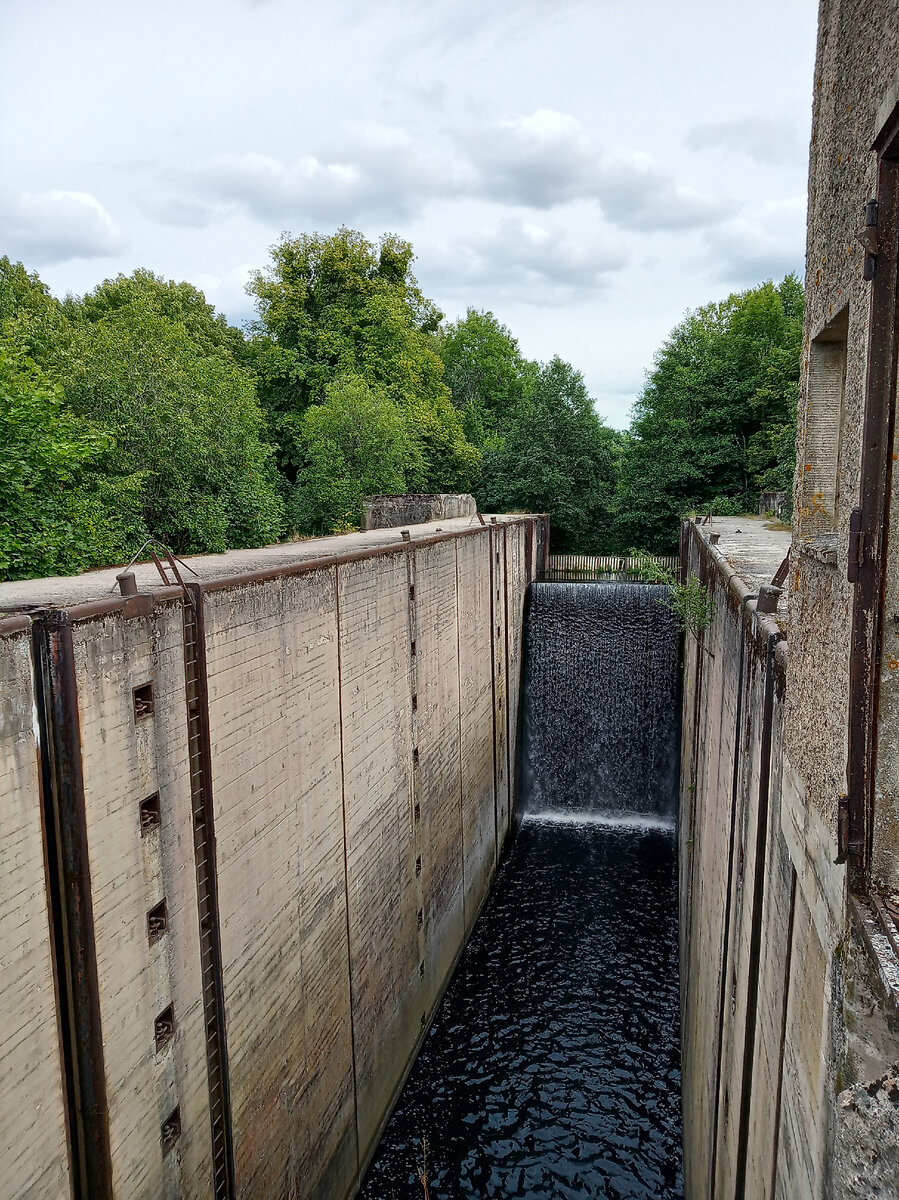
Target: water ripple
552	1066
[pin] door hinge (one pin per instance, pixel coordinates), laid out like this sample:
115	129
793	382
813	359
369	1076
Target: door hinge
842	830
868	238
856	554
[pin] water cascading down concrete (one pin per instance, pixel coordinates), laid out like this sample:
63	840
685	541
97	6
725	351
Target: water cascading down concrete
553	1064
601	715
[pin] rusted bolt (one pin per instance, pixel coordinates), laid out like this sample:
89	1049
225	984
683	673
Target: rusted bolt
127	583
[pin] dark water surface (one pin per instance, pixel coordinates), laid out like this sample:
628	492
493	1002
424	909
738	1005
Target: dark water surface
552	1066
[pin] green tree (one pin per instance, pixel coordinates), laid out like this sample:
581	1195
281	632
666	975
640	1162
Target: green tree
63	504
485	371
189	419
355	444
152	363
332	306
716	420
556	456
180	303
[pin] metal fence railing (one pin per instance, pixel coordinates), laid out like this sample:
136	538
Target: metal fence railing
604	566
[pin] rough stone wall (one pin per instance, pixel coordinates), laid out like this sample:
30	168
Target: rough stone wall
858	49
33	1151
360	724
387	512
784	1014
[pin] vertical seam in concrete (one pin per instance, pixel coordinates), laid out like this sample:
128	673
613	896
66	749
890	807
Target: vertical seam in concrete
493	693
461	778
511	798
694	778
196	680
755	936
346	868
788	967
725	948
61	767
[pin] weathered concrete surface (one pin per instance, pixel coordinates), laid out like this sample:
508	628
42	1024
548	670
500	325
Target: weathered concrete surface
33	1151
359	733
98	585
124	761
782	1006
274	710
388	512
869	1139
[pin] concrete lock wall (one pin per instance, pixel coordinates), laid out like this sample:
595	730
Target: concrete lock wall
293	797
786	1022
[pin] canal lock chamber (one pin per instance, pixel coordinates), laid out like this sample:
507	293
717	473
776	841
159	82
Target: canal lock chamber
552	1066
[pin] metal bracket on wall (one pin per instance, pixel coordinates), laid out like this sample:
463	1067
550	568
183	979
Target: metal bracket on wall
171	564
868	238
856	553
781	573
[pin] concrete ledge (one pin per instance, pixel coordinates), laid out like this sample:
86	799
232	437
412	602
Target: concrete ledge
100	587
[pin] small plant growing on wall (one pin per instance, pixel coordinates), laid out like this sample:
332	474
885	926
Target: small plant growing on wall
689	601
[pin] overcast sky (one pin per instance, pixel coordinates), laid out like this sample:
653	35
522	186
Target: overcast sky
586	170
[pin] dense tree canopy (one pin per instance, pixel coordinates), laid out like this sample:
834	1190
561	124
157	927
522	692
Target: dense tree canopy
356	444
487	374
336	306
715	422
151	364
64	504
136	409
556	456
187	417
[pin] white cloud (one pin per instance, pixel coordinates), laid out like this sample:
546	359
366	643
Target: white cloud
767	244
635	193
374	172
539	160
546	159
57	226
524	261
763	139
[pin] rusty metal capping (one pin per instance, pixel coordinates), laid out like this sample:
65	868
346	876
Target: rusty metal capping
329	561
200	764
874	500
70	906
133	606
9	626
139	605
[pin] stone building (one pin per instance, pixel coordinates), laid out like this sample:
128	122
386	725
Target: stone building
790	797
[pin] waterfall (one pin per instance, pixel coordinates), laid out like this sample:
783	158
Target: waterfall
601	710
